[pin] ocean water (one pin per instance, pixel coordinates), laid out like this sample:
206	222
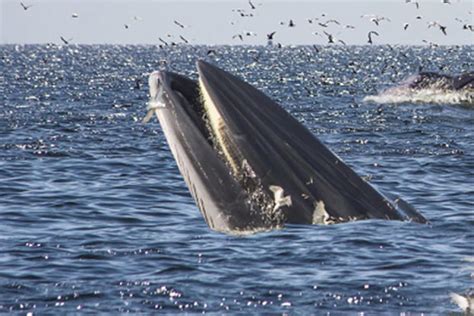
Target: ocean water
95	217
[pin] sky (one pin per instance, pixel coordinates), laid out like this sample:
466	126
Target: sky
219	22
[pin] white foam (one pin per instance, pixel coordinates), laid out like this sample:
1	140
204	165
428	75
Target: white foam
435	96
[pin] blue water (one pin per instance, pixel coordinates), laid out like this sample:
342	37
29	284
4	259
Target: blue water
94	215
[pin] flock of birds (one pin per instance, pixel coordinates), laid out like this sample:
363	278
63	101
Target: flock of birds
322	22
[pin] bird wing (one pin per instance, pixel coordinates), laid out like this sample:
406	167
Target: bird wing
460	300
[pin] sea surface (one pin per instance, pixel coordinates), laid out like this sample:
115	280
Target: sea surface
95	217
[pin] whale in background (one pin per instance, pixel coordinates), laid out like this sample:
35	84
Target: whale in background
430	87
249	165
433	80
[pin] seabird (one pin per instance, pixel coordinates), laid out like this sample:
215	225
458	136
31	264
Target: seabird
370	36
256	57
75	15
330	37
280	199
468	27
270	36
126	26
432	44
465	302
375	21
329	21
239	36
415	3
333	21
310	93
163	41
25	7
375	18
405	26
183	39
178	24
65	41
291	24
242	13
441	27
251	5
137	84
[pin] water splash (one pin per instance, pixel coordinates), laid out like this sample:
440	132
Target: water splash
436	96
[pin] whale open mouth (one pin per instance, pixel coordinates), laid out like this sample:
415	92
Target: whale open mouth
249	164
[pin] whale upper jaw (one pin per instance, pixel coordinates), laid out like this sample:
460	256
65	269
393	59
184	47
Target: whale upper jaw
249	164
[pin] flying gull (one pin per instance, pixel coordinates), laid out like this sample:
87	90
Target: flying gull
370	36
178	24
330	37
270	35
183	39
441	27
251	5
65	41
25	7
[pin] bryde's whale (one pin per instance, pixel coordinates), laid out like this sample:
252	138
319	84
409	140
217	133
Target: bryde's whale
433	80
430	87
250	165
